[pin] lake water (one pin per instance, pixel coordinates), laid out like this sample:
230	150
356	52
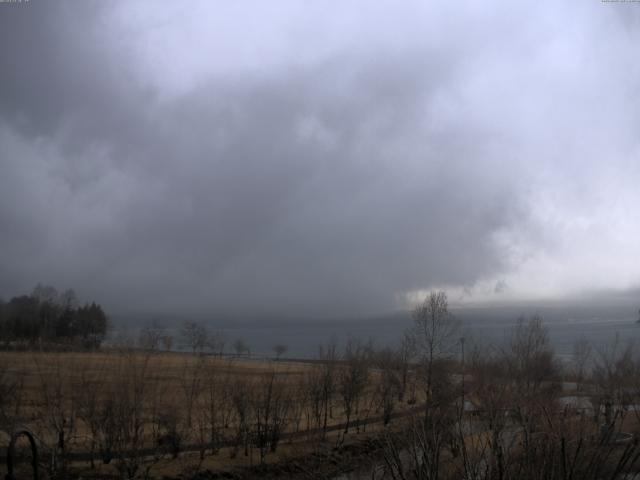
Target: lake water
599	325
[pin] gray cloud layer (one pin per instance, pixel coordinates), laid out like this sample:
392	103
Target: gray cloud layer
329	186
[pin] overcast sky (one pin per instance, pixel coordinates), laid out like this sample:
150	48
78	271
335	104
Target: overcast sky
319	158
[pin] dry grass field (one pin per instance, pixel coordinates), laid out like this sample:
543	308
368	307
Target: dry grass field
133	413
37	371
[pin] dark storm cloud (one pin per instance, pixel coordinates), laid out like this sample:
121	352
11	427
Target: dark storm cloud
329	188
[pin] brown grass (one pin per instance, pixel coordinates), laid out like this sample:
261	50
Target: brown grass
46	378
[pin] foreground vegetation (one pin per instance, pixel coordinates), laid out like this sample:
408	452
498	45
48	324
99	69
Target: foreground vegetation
436	407
130	409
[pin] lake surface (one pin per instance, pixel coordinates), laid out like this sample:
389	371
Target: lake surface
599	325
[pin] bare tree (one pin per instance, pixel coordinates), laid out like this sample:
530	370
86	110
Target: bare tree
270	406
581	356
194	336
406	352
531	368
215	406
314	393
240	347
167	342
434	333
434	336
11	398
353	376
60	415
191	383
216	343
614	374
495	394
530	356
134	415
151	337
279	350
327	381
90	398
299	394
241	393
389	383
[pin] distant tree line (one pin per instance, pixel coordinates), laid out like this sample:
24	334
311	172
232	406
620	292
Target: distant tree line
47	316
